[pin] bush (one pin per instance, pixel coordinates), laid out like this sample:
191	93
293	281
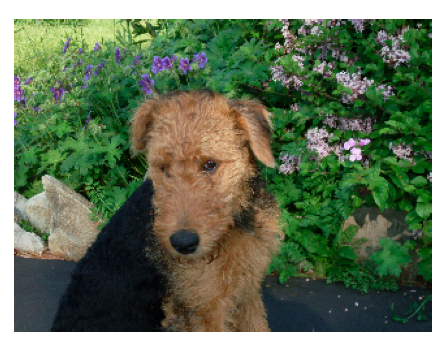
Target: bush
352	113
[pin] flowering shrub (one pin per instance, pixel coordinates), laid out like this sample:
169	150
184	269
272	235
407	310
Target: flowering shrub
352	128
351	100
73	125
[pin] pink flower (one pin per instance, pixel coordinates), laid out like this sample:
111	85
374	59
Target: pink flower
355	154
363	142
351	143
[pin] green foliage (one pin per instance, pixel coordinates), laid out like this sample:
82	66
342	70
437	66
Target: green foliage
316	193
413	310
391	257
31	229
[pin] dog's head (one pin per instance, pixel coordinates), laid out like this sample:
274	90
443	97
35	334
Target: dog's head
200	150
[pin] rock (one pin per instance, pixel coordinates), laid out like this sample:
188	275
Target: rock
39	212
27	241
19	205
71	230
373	224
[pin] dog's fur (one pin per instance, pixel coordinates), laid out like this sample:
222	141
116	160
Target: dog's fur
116	286
213	232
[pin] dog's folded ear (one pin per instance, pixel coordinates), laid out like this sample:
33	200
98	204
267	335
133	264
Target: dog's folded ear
254	120
141	124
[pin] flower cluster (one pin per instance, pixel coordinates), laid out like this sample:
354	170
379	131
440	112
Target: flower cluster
19	94
87	121
65	47
99	67
395	54
318	140
355	152
185	65
161	64
80	62
200	59
88	73
96	47
290	163
136	60
351	124
403	151
353	81
118	56
58	92
146	83
359	86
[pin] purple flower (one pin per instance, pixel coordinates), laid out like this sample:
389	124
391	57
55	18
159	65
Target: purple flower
136	59
18	92
80	51
64	69
28	81
96	46
87	120
17	81
36	109
201	59
99	67
185	65
146	83
363	142
58	93
351	143
166	62
117	56
355	154
80	62
157	65
15	116
84	86
173	58
88	72
66	46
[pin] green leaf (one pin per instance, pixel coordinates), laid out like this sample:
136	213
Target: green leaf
401	180
347	252
425	269
424	209
419	181
425	252
390	258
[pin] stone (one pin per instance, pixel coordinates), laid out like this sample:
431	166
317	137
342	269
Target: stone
26	241
38	210
19	205
373	224
71	230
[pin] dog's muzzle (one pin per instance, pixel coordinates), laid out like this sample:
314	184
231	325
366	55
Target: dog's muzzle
185	242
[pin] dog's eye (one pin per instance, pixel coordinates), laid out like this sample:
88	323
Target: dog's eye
209	166
165	171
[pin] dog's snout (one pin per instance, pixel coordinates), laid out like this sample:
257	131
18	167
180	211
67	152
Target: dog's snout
185	241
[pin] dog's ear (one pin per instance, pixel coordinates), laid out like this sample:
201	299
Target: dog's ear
141	124
254	120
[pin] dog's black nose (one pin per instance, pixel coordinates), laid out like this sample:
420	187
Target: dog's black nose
185	242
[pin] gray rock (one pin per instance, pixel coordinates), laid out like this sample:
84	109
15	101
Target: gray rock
19	205
26	241
71	230
374	224
38	210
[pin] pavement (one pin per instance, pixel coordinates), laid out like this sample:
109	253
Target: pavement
299	305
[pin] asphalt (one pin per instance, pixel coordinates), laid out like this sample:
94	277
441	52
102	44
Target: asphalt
299	305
